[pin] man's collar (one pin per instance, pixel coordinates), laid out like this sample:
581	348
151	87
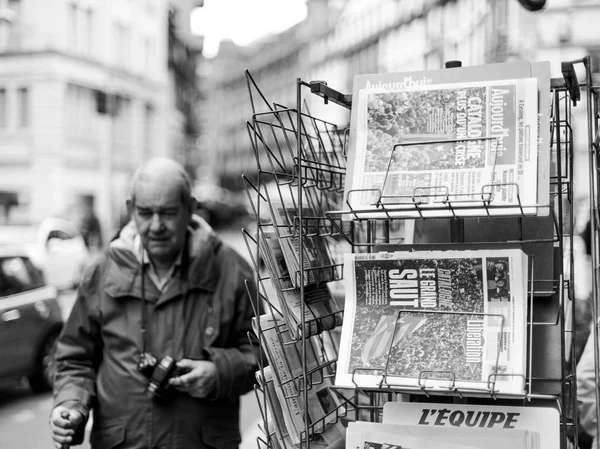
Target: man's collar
142	255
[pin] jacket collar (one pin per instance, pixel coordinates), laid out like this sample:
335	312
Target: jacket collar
198	265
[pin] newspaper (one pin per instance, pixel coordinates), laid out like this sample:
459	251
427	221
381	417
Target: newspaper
416	144
317	263
545	420
276	415
435	319
321	311
368	435
324	407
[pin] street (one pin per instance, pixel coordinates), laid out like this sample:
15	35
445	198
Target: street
24	419
24	415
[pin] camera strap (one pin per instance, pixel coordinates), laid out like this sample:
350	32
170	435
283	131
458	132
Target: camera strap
144	324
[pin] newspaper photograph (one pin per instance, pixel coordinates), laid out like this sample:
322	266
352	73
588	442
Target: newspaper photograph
435	319
469	145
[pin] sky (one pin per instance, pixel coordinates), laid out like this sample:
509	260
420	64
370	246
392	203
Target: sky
243	21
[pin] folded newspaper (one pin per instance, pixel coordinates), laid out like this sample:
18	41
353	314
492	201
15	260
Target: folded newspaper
320	310
285	357
317	264
439	320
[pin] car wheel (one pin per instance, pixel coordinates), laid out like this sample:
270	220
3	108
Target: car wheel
43	375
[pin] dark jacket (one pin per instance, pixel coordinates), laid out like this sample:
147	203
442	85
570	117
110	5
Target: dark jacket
205	311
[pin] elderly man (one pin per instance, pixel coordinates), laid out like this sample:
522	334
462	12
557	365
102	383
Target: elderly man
168	289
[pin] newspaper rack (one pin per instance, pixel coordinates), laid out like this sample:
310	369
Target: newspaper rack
593	129
303	158
436	200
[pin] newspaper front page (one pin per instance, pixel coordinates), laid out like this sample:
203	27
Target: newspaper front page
543	420
435	319
433	146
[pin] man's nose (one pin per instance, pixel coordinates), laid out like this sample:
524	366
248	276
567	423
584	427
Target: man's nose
156	222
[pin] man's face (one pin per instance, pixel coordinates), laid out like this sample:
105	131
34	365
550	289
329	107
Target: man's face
161	219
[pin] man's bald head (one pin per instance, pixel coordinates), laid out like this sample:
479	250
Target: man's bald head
161	205
164	171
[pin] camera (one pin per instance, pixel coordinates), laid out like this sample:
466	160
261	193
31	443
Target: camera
158	374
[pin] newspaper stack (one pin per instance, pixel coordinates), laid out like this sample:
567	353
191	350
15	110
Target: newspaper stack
286	393
317	264
321	312
367	435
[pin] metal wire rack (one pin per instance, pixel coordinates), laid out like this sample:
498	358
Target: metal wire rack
302	159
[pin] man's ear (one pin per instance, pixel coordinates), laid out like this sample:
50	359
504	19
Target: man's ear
130	206
193	206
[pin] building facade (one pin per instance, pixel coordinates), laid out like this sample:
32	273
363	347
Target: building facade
336	41
83	100
274	64
184	50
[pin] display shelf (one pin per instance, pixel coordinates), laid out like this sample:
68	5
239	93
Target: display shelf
302	159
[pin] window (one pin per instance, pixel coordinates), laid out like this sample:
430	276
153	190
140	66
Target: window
147	54
58	234
89	32
80	113
72	27
122	121
148	129
18	275
15	5
9	25
24	109
121	43
36	276
3	109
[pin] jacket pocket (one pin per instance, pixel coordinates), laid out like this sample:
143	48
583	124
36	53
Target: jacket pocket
221	438
109	435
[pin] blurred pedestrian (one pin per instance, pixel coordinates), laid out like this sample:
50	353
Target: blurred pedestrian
168	288
90	229
582	341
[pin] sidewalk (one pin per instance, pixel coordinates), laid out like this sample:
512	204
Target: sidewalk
249	418
250	411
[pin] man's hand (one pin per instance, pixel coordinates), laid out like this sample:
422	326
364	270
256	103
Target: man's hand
199	380
63	423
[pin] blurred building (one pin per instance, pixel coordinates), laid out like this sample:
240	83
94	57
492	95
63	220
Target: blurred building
183	53
86	93
341	39
274	63
567	31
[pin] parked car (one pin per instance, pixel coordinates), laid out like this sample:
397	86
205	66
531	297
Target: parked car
30	321
221	207
55	246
